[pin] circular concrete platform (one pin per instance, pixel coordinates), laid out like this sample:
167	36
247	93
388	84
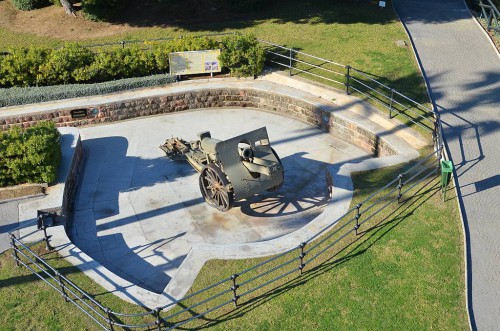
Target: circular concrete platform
139	213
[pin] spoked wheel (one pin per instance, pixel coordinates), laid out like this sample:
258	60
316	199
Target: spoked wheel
277	187
215	188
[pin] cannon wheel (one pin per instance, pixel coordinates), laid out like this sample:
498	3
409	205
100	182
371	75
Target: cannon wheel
214	187
277	187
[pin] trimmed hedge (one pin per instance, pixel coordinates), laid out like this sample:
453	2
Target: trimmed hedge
241	55
29	156
25	95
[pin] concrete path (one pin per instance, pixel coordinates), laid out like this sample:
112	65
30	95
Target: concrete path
463	72
8	222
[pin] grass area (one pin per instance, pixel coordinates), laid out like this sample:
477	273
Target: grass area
357	33
28	303
404	271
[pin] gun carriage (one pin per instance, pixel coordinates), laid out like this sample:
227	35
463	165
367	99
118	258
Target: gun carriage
230	170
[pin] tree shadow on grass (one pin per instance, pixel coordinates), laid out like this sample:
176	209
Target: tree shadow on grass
195	16
361	244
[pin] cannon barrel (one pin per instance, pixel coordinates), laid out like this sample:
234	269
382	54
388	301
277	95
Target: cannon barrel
208	145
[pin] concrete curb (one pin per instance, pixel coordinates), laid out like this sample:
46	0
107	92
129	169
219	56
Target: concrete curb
57	198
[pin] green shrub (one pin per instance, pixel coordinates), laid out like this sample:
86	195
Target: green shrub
78	64
25	95
61	64
101	10
161	50
242	55
29	156
118	63
29	4
20	66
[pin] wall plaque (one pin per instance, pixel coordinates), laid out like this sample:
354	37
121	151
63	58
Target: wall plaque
79	113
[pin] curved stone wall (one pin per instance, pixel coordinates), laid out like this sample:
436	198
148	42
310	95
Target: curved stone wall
318	116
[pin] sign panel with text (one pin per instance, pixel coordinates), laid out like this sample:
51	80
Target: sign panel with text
194	62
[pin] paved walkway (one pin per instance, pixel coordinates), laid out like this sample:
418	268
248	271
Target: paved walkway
463	71
8	222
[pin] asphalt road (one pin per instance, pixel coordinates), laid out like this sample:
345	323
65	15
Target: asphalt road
462	69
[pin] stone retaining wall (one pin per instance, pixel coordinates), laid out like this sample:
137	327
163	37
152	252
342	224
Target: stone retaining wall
318	116
72	180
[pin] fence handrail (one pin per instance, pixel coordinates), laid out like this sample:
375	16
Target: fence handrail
414	112
491	13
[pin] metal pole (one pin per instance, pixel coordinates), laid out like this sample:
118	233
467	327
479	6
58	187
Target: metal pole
110	322
390	104
63	288
348	75
290	64
234	288
14	248
400	186
158	318
301	257
358	215
46	237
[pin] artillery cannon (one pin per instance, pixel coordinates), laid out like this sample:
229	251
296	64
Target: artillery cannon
230	170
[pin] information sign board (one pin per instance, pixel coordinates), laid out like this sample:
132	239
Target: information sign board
194	62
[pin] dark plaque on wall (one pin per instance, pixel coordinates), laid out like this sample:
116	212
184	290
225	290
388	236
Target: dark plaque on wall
79	113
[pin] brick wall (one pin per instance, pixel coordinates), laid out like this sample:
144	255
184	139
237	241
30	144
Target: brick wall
236	98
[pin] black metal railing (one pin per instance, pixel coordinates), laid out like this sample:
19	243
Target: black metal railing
490	14
355	80
244	285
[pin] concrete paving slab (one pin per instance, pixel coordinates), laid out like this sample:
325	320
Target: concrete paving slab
8	222
149	212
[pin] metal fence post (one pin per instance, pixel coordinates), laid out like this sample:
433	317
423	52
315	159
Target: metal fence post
14	248
301	257
400	186
46	237
348	75
63	288
110	321
358	215
390	103
158	318
290	64
235	287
